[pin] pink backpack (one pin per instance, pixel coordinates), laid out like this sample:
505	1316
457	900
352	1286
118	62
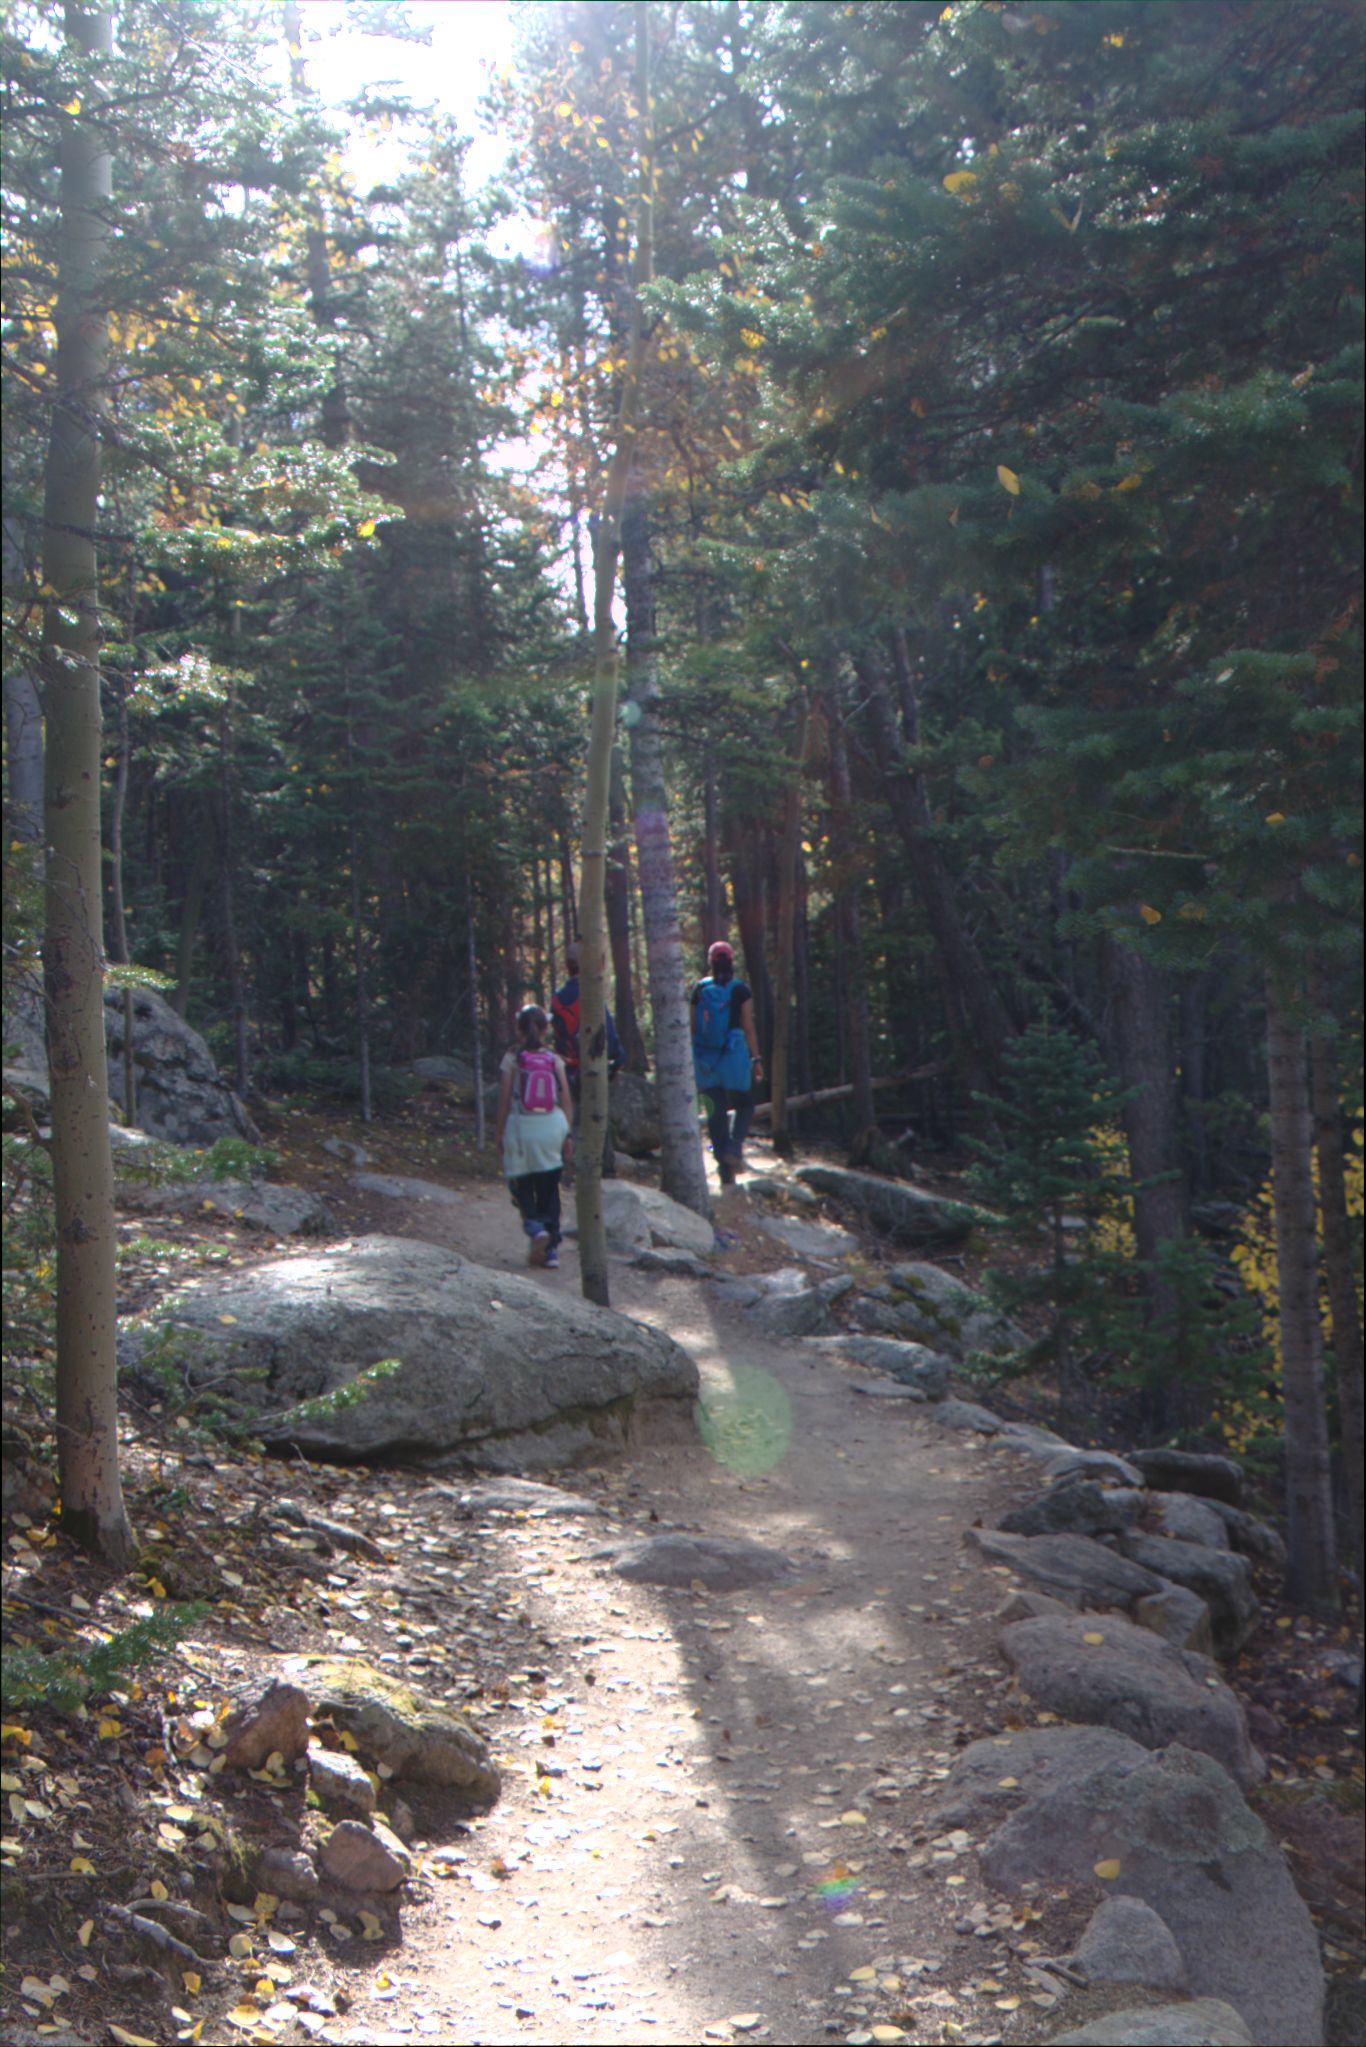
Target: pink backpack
538	1081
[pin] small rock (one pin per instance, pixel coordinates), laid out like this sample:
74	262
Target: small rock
277	1723
1126	1942
402	1821
1179	1615
397	1725
287	1874
362	1859
341	1783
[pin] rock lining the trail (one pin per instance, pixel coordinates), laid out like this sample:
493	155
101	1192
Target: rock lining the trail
1174	1831
397	1187
1201	2022
1111	1673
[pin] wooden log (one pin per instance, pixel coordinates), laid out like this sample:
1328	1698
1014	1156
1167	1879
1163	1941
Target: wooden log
835	1094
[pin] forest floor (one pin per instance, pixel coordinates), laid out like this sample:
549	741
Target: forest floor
717	1810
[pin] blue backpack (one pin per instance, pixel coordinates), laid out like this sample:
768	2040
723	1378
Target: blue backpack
712	1026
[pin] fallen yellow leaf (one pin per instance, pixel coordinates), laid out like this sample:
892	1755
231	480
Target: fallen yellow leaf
1007	479
1093	1636
1108	1870
193	1981
81	1865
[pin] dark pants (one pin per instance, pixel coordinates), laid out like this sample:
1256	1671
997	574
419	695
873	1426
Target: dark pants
727	1139
537	1196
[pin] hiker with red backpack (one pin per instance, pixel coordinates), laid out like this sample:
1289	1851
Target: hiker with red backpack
726	1061
565	1017
532	1128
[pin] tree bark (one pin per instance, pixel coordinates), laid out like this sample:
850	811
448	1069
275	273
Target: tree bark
73	948
602	731
23	723
846	877
1339	1269
787	909
683	1173
1311	1570
713	901
619	906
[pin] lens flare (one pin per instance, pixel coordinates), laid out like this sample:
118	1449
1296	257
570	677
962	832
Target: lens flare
747	1425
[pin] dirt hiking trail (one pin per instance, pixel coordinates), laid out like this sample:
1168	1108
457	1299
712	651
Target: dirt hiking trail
714	1822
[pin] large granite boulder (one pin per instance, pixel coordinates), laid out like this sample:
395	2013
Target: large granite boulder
1174	1831
182	1097
906	1214
486	1368
995	1776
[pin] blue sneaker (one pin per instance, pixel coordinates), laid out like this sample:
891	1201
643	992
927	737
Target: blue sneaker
540	1252
552	1261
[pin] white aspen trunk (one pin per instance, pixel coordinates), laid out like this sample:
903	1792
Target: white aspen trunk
592	889
683	1171
73	945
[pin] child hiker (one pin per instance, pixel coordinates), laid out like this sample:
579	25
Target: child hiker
534	1111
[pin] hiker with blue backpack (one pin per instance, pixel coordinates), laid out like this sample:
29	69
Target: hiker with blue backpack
532	1128
725	1055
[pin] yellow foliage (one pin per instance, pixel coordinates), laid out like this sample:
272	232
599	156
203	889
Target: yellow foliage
1254	1256
1114	1230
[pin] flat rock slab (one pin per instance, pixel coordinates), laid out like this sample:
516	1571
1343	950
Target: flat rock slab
1102	1670
674	1264
1097	1464
1174	1831
284	1211
966	1414
526	1496
721	1564
1081	1573
992	1777
638	1217
1202	2022
809	1240
398	1188
906	1214
491	1368
413	1735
